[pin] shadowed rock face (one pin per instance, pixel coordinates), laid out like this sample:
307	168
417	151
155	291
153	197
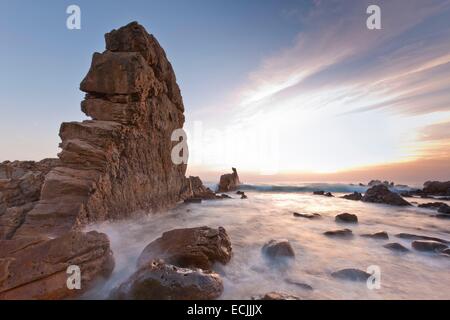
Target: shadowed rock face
119	162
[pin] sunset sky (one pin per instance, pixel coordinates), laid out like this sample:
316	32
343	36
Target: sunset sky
283	90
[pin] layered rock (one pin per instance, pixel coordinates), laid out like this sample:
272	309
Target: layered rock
119	162
229	182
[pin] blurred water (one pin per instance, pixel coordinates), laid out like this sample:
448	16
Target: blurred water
268	215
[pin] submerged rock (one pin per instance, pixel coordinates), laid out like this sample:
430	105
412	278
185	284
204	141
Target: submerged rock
160	281
428	245
356	196
278	249
346	217
276	296
381	194
319	193
307	215
410	236
190	248
342	233
396	247
244	196
351	274
229	182
299	284
382	235
436	188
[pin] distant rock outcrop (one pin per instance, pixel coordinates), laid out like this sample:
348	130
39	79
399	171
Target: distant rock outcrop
436	188
229	182
381	194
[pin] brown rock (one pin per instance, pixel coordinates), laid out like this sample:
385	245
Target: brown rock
356	196
278	249
346	217
381	194
351	274
189	248
396	247
196	189
160	281
229	182
307	215
428	245
343	233
436	188
409	236
36	268
377	235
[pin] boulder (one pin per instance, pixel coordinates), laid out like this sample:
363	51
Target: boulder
396	247
381	194
307	215
189	248
382	235
229	182
35	268
347	218
436	188
355	196
428	245
342	233
351	275
160	281
280	248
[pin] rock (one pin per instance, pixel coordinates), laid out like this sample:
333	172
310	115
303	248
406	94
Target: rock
225	196
193	200
299	284
328	194
444	208
307	215
118	164
436	188
276	296
351	274
431	205
378	182
160	281
443	216
409	236
189	248
35	268
229	182
382	235
356	196
428	245
196	190
244	196
396	247
240	192
319	193
343	233
381	194
278	249
346	217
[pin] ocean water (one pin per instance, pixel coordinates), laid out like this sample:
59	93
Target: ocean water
268	214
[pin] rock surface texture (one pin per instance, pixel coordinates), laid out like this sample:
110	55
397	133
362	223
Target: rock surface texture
381	194
229	182
111	167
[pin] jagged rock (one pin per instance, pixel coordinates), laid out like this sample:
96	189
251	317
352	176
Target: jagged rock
120	162
278	249
428	245
382	235
396	247
307	215
351	274
356	196
35	268
443	216
436	188
189	248
381	194
444	209
347	217
160	281
229	182
196	189
409	236
276	296
343	233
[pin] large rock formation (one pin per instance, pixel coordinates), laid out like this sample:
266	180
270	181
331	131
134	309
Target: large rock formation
229	181
381	194
119	162
436	188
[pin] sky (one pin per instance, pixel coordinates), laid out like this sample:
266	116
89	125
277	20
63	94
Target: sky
284	90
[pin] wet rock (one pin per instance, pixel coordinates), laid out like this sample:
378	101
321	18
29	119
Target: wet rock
396	247
276	296
382	235
196	190
229	182
445	209
189	248
410	236
431	205
356	196
35	268
299	284
319	193
342	233
428	246
278	249
240	192
307	215
443	216
381	194
436	188
244	196
328	194
225	196
346	217
193	200
378	182
160	281
351	275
